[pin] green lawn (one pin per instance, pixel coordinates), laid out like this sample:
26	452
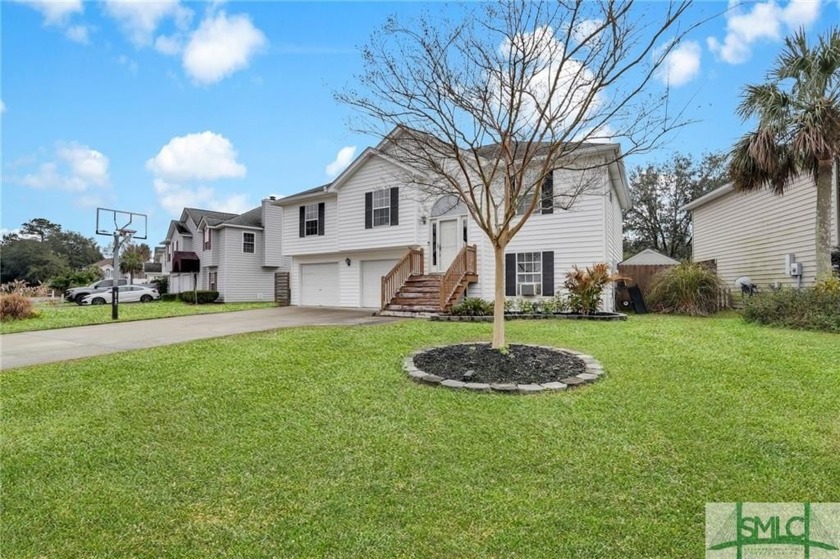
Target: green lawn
64	315
312	443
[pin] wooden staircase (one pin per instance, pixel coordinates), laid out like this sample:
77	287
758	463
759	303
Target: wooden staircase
421	294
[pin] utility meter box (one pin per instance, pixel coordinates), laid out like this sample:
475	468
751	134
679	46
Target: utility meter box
795	269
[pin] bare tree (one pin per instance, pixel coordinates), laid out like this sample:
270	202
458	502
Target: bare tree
489	106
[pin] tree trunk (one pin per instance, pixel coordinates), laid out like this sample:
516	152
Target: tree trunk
499	302
823	226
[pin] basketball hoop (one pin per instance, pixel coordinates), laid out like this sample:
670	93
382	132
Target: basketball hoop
122	234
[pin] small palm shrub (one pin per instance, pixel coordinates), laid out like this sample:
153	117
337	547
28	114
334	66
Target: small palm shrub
687	288
200	297
15	306
473	306
586	286
807	309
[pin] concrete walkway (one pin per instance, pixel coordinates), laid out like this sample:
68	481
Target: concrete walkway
49	346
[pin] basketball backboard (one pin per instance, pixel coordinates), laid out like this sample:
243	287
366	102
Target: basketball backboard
109	221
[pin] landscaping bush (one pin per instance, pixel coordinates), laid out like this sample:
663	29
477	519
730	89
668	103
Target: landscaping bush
830	285
169	297
15	307
162	284
22	288
807	309
529	306
473	306
586	286
687	288
555	304
200	297
77	278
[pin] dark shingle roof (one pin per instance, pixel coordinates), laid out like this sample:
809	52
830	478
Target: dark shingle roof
180	227
493	150
251	218
196	214
315	190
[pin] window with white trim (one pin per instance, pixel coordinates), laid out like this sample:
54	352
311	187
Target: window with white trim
382	207
206	238
310	219
248	242
212	279
529	272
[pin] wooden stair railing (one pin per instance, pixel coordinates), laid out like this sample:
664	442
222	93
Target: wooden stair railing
410	265
464	264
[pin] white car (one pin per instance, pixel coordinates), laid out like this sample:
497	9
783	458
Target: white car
128	294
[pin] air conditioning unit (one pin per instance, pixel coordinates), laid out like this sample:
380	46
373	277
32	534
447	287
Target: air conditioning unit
527	289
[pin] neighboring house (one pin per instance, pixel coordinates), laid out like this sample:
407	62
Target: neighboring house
759	234
107	267
650	257
343	237
234	254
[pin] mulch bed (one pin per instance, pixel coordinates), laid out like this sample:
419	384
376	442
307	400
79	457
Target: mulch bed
523	364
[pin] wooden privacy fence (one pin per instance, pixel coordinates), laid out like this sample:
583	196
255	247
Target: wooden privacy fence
642	275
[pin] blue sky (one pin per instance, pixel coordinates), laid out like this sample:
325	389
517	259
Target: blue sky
151	106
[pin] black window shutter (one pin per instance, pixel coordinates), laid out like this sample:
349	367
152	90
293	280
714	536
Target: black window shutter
548	273
321	218
368	210
395	206
548	193
302	226
510	275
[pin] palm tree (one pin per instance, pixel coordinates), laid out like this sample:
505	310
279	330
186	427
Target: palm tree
798	128
131	261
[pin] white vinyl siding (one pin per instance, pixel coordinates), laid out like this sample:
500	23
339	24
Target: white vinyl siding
294	244
272	219
377	175
750	234
241	277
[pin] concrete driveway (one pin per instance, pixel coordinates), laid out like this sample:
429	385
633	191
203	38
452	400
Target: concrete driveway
48	346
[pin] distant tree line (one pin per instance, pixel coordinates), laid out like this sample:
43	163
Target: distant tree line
42	250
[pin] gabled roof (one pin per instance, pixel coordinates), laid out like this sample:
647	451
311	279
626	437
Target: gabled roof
649	257
196	214
104	262
251	218
306	194
706	198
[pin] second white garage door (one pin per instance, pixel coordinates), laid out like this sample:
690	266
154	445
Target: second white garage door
372	272
319	285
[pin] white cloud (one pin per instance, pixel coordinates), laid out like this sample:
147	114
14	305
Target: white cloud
2	107
766	21
221	46
132	65
185	160
169	45
582	30
175	197
76	169
200	156
55	12
139	19
342	160
681	65
565	95
78	34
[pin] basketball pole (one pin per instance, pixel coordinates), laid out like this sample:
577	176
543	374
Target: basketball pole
120	236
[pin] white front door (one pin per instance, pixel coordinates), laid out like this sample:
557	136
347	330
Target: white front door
448	241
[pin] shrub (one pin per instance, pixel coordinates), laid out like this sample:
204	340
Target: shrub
510	305
473	306
529	306
169	297
76	279
162	284
830	285
15	306
22	288
555	304
808	309
687	288
200	297
586	286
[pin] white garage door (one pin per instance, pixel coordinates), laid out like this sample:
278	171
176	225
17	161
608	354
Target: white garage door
372	272
319	285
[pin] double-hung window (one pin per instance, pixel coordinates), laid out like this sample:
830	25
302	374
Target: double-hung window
529	273
206	238
311	220
248	242
381	207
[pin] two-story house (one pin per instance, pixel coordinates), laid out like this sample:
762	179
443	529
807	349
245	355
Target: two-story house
367	240
234	254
